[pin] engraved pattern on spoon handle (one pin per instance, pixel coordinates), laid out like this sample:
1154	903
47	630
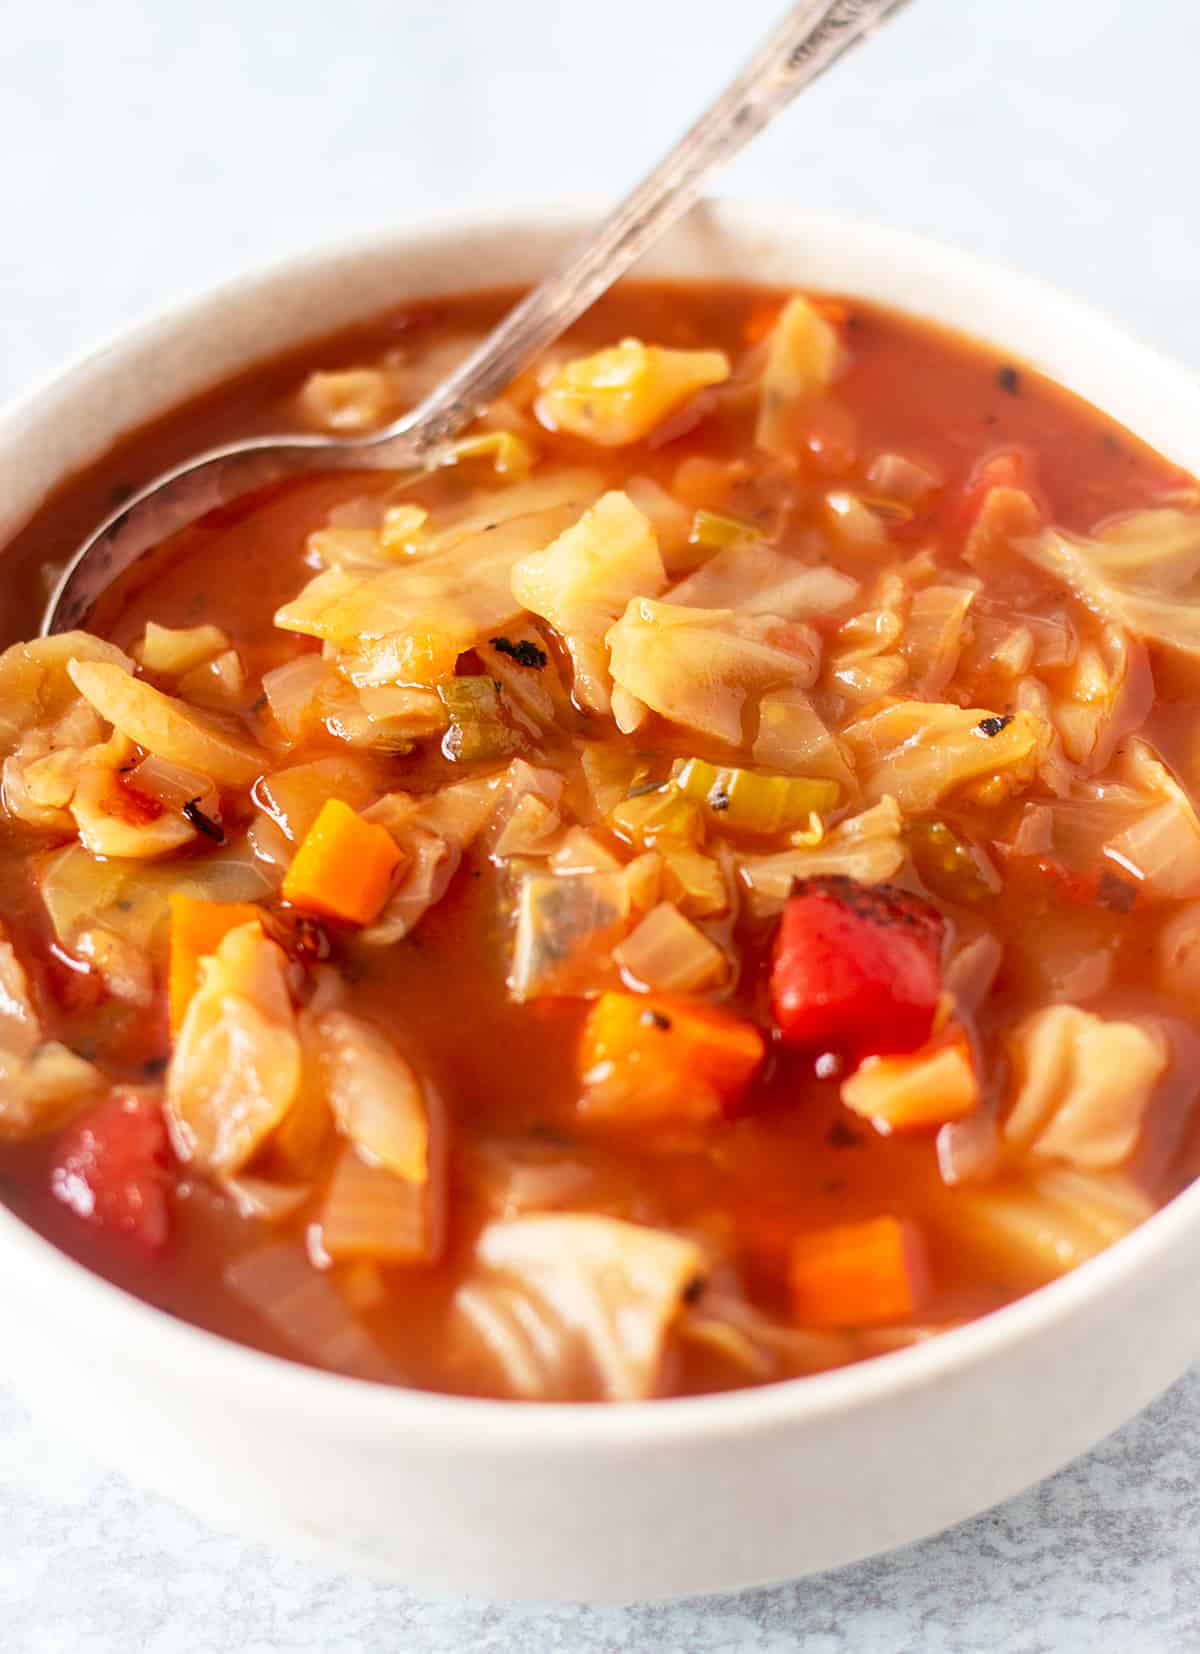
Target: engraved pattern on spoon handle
809	40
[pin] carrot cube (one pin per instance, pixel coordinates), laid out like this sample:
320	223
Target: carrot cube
912	1093
197	929
657	1056
858	1274
344	866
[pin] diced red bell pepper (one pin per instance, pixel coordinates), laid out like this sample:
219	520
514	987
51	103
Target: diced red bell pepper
857	969
112	1168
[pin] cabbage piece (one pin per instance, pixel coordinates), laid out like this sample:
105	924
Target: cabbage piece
1108	692
529	830
167	727
1161	846
236	1068
863	662
41	1082
35	688
793	738
671	522
41	1090
220	684
896	477
408	624
1035	1231
802	359
567	925
38	778
434	832
695	882
171	651
867	848
305	1306
129	898
583	581
370	1212
756	579
376	1098
1082	1085
1007	521
920	751
293	797
1140	571
705	668
935	634
666	953
620	394
115	818
569	1305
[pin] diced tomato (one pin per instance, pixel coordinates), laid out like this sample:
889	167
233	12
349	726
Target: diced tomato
112	1168
856	970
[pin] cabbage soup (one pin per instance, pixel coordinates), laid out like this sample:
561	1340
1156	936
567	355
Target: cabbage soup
701	888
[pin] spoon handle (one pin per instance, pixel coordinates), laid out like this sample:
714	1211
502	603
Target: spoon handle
811	38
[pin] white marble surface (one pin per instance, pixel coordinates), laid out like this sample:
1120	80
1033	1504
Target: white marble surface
150	148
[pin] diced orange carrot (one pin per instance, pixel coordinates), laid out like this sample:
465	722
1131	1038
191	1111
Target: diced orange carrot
197	928
657	1056
916	1091
344	866
858	1274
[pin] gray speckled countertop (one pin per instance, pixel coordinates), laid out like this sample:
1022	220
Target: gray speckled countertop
145	150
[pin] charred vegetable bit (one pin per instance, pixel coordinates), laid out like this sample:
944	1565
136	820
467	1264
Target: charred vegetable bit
203	823
700	887
856	969
524	652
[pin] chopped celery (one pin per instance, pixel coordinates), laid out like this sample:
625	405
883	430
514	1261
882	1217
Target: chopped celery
510	455
948	864
756	803
662	816
717	532
477	726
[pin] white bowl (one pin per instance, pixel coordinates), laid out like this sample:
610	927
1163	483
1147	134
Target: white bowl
620	1502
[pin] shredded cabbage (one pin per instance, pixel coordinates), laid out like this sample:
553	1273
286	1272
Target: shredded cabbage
569	1304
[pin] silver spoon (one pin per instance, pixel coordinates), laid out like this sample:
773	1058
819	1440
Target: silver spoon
808	41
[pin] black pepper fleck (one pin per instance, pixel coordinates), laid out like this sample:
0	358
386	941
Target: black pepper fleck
991	727
1008	379
843	1136
655	1019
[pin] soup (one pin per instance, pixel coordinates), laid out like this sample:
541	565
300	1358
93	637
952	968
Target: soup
700	888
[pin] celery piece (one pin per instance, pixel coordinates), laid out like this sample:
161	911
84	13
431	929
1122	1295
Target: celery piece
753	802
663	816
477	726
717	532
947	863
